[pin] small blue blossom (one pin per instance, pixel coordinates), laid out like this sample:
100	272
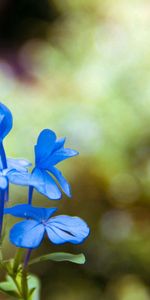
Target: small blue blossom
49	151
16	168
9	168
6	121
59	229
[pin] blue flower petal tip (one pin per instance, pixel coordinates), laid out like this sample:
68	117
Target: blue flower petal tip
28	211
19	164
49	150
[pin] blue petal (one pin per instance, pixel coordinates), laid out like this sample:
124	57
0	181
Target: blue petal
59	155
45	145
18	164
45	184
59	143
5	121
27	234
19	178
3	182
27	211
64	229
61	180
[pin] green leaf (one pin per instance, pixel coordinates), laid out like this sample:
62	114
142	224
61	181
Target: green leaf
8	287
10	293
60	256
34	287
31	292
8	284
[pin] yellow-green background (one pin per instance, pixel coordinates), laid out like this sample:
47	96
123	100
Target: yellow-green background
90	81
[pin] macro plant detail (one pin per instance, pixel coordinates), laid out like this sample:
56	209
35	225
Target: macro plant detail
38	222
60	229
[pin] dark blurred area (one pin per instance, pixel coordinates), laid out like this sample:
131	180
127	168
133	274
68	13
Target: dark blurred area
90	63
20	21
16	17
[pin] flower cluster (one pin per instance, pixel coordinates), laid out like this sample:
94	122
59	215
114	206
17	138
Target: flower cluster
45	178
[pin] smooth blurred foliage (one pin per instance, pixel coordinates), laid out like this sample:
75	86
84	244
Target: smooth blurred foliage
88	79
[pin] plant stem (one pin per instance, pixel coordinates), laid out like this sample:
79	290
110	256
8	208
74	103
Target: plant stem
27	258
7	193
2	202
30	195
17	284
3	196
17	260
3	157
24	284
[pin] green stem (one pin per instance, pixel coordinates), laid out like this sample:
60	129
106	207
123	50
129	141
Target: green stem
17	285
2	203
30	196
1	255
24	284
17	260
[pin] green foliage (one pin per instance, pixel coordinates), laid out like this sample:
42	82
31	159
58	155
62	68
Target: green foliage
22	285
19	284
9	287
60	256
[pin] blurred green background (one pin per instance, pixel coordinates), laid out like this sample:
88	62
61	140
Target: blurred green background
82	68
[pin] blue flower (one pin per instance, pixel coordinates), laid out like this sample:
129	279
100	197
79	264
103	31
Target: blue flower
16	168
59	229
49	151
6	121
